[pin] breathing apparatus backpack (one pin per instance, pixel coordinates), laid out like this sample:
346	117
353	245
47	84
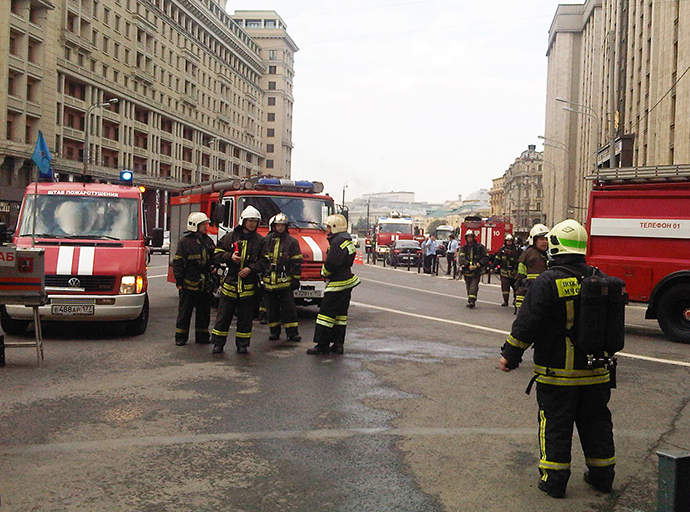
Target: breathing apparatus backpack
600	328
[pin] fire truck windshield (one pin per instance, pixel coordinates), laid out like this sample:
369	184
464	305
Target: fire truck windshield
303	212
61	216
395	228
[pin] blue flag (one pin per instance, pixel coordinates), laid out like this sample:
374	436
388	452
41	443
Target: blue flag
42	158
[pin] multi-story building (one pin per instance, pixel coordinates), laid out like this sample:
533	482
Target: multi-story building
497	197
524	190
268	30
621	64
173	90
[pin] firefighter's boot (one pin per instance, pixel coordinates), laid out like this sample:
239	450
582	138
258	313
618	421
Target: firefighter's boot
319	350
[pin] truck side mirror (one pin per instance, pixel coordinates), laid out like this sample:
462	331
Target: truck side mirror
157	237
219	214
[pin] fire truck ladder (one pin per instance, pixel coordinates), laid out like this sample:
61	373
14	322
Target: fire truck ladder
656	173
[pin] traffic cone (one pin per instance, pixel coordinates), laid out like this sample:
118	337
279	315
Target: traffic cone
358	258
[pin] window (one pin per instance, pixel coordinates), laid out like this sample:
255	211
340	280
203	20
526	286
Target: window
13	43
106	16
117	23
270	148
95	10
271	86
270	23
271	116
269	164
253	23
105	71
271	101
270	132
272	54
106	44
272	70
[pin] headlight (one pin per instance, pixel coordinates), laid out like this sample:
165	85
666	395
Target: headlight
131	284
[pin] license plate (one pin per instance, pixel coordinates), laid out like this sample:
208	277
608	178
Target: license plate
308	293
74	309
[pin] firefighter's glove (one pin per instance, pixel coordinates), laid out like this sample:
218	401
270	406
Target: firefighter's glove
294	284
506	366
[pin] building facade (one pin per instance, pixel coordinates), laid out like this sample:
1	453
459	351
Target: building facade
278	54
497	197
622	65
523	190
172	90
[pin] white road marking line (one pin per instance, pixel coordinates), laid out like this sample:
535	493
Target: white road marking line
311	435
506	333
151	268
160	275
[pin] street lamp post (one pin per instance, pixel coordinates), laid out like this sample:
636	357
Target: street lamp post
87	128
560	145
344	187
198	157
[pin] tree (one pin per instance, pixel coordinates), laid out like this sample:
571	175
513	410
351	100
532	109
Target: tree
434	225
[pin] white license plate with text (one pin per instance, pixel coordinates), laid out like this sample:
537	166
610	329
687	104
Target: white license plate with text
74	309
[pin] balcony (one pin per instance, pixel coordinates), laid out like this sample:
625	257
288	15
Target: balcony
140	152
16	63
142	127
16	104
165	159
143	76
110	115
72	133
73	102
110	144
146	25
190	100
34	109
34	69
225	79
188	54
77	41
288	143
223	119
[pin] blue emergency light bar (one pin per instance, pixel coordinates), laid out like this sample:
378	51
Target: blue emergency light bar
315	187
126	177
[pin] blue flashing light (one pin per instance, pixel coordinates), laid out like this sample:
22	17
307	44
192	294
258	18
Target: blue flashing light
304	186
126	176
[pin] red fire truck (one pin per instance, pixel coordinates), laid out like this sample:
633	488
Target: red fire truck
95	254
490	234
389	229
639	226
223	202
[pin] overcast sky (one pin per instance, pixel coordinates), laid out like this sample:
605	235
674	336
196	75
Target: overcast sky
432	96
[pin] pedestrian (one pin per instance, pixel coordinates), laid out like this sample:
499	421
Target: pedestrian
569	390
450	256
239	250
472	259
331	322
281	268
533	261
507	261
429	245
192	265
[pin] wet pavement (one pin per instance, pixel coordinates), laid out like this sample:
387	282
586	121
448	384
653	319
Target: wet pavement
414	417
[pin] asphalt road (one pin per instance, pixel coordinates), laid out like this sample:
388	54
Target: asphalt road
414	417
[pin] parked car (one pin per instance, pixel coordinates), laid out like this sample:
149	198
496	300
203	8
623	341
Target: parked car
405	252
165	248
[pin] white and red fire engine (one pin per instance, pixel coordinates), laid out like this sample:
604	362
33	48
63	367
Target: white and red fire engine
388	230
95	254
487	232
639	226
223	202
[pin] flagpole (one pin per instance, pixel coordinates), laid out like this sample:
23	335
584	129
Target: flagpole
33	227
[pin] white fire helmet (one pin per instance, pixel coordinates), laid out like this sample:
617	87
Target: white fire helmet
537	230
279	218
249	213
195	219
469	232
568	237
337	223
509	238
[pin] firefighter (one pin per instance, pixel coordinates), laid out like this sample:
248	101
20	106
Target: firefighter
331	321
192	270
568	390
239	250
472	258
533	261
507	260
281	265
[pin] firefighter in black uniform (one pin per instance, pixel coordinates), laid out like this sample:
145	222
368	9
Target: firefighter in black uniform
239	250
568	390
331	321
192	270
507	260
533	261
281	265
472	259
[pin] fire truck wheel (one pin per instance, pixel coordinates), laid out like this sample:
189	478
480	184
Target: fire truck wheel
138	325
10	325
674	313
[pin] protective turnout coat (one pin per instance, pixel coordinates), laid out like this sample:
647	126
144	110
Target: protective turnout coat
234	286
281	260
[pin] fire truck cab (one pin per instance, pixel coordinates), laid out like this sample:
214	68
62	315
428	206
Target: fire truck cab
223	202
639	227
490	234
95	254
388	230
